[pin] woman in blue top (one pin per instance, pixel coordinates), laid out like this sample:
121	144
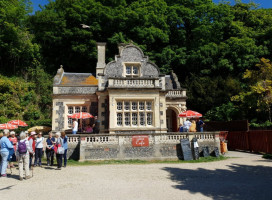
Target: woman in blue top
65	146
5	145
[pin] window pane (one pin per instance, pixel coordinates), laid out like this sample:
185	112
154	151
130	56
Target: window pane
134	119
142	119
77	110
127	119
141	105
119	105
119	119
128	69
70	121
127	105
134	105
84	109
149	118
148	105
70	110
135	70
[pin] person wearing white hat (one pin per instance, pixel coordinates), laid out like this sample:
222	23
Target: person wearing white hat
31	141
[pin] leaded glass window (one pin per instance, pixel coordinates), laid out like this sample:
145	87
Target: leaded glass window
141	105
134	106
134	119
142	118
119	119
127	105
70	110
84	109
127	119
128	70
77	109
149	118
148	106
119	105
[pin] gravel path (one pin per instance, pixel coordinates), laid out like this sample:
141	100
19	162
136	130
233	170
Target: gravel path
247	177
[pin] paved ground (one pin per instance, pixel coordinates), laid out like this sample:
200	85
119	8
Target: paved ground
247	177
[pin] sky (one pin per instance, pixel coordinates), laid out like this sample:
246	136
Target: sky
263	3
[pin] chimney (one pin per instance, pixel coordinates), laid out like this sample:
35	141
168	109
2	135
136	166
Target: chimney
121	46
101	52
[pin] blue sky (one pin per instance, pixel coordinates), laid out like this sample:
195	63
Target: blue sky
263	3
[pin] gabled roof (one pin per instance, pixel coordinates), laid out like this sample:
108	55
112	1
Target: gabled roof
78	79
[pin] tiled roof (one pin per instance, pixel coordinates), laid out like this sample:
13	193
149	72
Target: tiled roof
78	79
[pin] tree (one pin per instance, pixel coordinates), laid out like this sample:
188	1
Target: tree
260	87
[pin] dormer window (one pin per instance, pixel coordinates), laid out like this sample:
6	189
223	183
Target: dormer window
132	70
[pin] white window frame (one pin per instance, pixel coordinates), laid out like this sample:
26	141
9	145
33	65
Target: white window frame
131	66
133	116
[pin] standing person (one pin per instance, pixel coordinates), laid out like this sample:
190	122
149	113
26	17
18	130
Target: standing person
31	140
96	128
5	145
65	146
199	125
180	128
39	150
59	143
22	153
13	141
50	149
193	126
75	126
186	125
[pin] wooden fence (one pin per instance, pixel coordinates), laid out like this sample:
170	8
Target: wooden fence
254	141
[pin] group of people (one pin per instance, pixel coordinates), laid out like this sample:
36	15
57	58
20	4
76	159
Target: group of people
192	125
30	147
94	128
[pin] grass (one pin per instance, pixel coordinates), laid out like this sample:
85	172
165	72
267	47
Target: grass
114	162
267	156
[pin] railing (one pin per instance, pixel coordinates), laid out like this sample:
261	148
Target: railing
133	83
154	138
176	93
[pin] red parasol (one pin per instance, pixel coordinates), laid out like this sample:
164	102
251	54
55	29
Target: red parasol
8	126
17	122
190	114
81	115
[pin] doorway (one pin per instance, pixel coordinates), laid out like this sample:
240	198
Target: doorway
171	120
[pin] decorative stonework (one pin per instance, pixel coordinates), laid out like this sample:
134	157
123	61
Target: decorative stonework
76	90
60	118
131	53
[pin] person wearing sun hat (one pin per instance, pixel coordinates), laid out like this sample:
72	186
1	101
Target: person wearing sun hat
31	140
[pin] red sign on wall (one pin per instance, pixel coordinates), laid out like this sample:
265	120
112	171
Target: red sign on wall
140	141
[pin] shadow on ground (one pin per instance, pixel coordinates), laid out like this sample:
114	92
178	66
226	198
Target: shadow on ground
239	182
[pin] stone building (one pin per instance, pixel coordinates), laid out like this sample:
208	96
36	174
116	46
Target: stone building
128	95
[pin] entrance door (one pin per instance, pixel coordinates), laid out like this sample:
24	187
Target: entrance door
171	119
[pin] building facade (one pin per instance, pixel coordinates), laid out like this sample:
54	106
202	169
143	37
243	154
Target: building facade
128	95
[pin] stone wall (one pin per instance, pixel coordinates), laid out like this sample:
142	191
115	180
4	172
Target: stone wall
119	146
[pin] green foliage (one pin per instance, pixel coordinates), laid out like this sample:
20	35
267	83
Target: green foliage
259	92
208	45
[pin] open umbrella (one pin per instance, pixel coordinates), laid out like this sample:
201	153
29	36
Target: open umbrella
8	126
190	114
81	115
18	122
39	128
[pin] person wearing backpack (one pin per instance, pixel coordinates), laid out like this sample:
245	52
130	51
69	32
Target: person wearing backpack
22	153
5	145
39	150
